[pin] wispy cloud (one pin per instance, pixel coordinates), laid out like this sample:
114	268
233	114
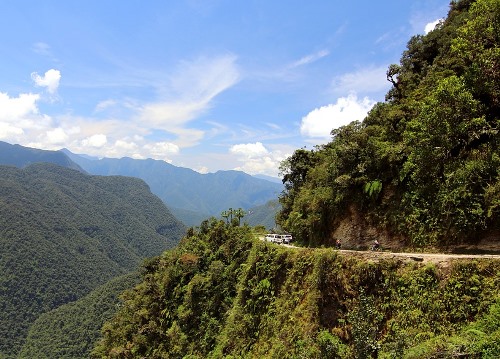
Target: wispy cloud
189	94
368	80
44	49
287	72
308	59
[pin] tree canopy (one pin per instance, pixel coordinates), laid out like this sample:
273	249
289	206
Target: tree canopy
424	164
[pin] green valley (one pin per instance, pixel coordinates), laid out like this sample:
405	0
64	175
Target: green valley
63	233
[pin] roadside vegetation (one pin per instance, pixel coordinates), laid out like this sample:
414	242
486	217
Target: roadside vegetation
222	293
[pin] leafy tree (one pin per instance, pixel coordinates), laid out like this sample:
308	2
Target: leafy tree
423	165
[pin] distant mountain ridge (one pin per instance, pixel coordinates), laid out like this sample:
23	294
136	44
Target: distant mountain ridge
191	196
185	189
21	156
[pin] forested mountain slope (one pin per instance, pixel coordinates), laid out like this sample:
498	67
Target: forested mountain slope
222	293
63	233
423	167
73	329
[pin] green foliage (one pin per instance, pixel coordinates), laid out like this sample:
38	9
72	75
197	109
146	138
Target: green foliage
373	188
424	164
73	329
222	293
365	321
63	233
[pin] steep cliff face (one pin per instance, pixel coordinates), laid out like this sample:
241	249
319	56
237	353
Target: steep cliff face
224	293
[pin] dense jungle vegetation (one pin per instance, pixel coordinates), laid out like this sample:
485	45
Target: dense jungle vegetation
73	329
423	165
64	233
224	294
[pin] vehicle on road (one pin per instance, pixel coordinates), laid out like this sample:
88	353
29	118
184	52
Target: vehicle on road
286	238
274	238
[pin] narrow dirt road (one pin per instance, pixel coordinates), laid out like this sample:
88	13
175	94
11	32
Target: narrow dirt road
420	257
438	258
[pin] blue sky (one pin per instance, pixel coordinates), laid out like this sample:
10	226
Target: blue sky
204	84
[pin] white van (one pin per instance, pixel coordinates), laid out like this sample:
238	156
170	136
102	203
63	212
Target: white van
286	238
275	238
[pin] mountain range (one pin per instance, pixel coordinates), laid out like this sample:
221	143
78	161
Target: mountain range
190	196
183	189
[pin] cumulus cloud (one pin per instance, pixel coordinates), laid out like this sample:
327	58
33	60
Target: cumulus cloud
96	141
161	149
201	169
185	95
50	80
255	158
8	131
432	25
57	136
321	121
15	108
249	150
20	116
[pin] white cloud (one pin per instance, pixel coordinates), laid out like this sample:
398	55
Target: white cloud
50	80
124	145
201	169
257	159
204	78
249	150
321	121
432	25
20	117
190	93
9	132
57	136
97	141
103	105
13	109
309	59
161	149
367	80
42	48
